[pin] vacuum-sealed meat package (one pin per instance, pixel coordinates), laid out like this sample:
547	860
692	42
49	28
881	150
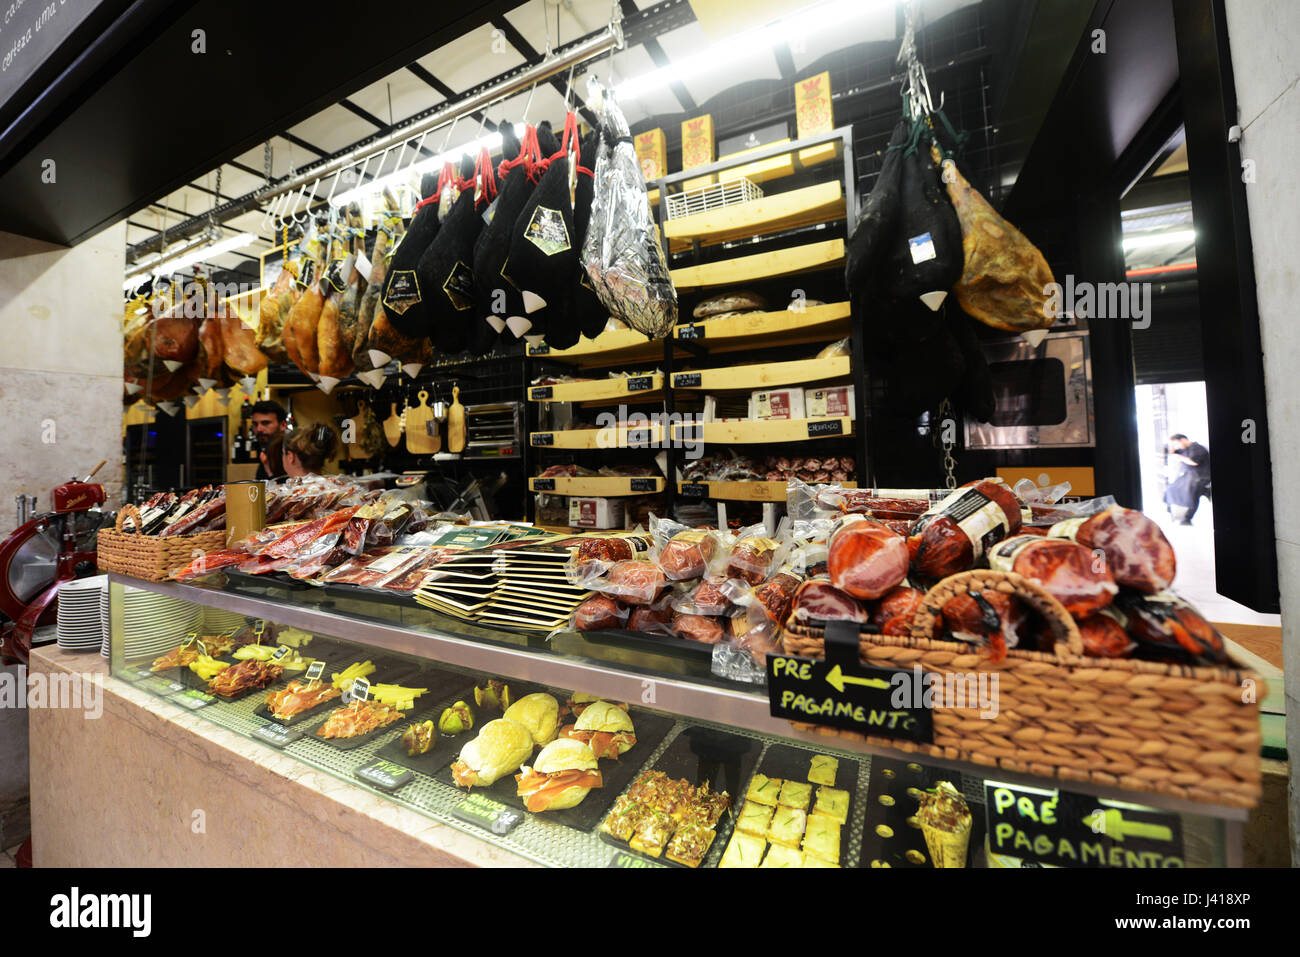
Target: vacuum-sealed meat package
599	612
953	535
866	558
1075	576
1136	550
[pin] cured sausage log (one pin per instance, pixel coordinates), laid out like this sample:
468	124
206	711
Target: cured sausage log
893	615
986	616
1137	552
866	558
819	600
1166	628
751	559
637	583
1075	576
687	554
654	619
706	598
698	628
599	611
776	594
1104	637
612	549
956	533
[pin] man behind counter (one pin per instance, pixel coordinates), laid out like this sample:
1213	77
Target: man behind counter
268	422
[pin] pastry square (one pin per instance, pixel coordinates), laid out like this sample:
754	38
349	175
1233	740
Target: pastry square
795	794
832	803
823	769
812	860
822	837
623	821
690	844
673	797
764	790
743	851
754	819
652	833
787	826
779	856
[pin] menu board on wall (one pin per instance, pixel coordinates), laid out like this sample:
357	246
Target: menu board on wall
31	31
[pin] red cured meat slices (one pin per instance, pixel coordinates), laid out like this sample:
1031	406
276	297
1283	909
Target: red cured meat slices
819	600
865	558
1075	576
1136	550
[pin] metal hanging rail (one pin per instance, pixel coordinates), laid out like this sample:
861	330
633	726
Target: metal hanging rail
582	51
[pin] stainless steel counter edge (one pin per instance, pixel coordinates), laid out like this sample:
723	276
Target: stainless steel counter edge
709	703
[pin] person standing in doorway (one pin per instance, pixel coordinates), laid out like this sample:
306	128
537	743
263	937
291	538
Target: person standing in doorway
1185	491
268	422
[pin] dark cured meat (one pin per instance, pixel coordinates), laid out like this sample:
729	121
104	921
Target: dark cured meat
637	583
591	314
599	612
603	549
776	594
446	271
994	616
687	554
292	541
698	628
197	518
819	600
926	216
1104	637
655	619
952	536
1166	628
875	227
1136	549
1075	576
897	607
865	559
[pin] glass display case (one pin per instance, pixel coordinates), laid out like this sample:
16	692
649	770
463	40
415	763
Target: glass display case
614	797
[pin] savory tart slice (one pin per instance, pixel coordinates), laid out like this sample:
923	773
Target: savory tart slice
795	794
754	819
744	850
812	860
764	790
780	856
623	818
823	769
689	845
787	826
832	803
652	832
822	837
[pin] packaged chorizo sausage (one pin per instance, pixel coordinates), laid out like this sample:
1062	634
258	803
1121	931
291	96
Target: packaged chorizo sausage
683	552
706	598
611	548
1166	628
865	558
1075	576
631	582
955	534
987	617
753	554
1136	549
597	613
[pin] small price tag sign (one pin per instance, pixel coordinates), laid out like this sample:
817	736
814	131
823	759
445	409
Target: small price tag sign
193	699
642	485
192	637
277	736
817	429
540	349
543	485
686	380
314	671
1063	829
693	331
543	438
640	383
487	814
623	859
280	653
360	690
385	775
203	649
694	491
259	627
540	392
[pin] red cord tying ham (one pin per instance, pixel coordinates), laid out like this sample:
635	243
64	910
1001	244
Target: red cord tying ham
1136	550
819	600
957	532
1075	576
866	558
986	616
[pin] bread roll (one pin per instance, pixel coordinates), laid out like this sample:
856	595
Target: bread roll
539	713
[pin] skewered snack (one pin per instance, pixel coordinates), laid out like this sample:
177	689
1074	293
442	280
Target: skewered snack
299	696
243	676
356	718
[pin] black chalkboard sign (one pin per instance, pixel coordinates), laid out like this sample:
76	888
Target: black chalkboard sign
642	485
384	775
694	491
686	380
488	814
818	428
543	485
640	383
541	392
839	692
693	331
543	438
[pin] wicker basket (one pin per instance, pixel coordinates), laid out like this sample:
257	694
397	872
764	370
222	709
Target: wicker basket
1140	725
150	557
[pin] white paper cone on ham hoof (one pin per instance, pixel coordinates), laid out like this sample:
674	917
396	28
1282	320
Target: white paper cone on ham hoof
190	401
169	407
374	378
518	325
314	376
223	395
934	299
378	358
1034	337
412	368
134	388
327	384
172	365
496	322
533	302
248	383
206	384
534	340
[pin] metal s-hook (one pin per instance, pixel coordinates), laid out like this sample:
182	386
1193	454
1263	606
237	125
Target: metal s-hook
568	88
529	105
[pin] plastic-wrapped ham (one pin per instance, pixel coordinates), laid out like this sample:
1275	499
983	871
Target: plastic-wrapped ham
1137	552
953	535
819	600
599	612
1075	576
1166	628
987	617
866	558
897	607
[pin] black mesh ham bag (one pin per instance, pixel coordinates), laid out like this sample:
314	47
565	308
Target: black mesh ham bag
402	298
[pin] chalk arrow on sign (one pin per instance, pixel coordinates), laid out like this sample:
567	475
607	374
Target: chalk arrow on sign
837	680
1111	823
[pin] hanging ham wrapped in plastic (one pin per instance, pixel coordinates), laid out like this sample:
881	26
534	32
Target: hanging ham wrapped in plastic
875	226
956	533
1075	576
1137	552
357	335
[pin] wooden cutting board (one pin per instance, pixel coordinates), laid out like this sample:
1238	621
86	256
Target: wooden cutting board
393	426
422	436
456	423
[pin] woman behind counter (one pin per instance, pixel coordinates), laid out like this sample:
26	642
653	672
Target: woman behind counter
305	451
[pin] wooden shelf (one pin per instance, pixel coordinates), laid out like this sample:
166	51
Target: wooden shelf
770	430
772	167
764	374
615	438
648	386
748	269
756	491
611	348
800	207
756	330
603	485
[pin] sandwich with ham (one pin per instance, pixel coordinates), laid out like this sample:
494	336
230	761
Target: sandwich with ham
500	748
605	728
560	778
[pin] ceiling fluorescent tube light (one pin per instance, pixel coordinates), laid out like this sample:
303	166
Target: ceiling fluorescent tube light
184	258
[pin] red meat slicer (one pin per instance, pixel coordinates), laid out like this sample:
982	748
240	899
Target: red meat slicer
51	548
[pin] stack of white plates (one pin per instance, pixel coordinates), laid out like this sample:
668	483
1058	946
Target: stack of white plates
80	627
217	621
154	624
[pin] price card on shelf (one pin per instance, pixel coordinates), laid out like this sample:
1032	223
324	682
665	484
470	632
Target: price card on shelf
259	626
686	380
695	491
543	438
823	427
642	485
193	699
540	392
192	637
544	485
488	814
623	859
840	692
1055	828
640	383
277	735
385	775
692	331
280	652
314	671
360	690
